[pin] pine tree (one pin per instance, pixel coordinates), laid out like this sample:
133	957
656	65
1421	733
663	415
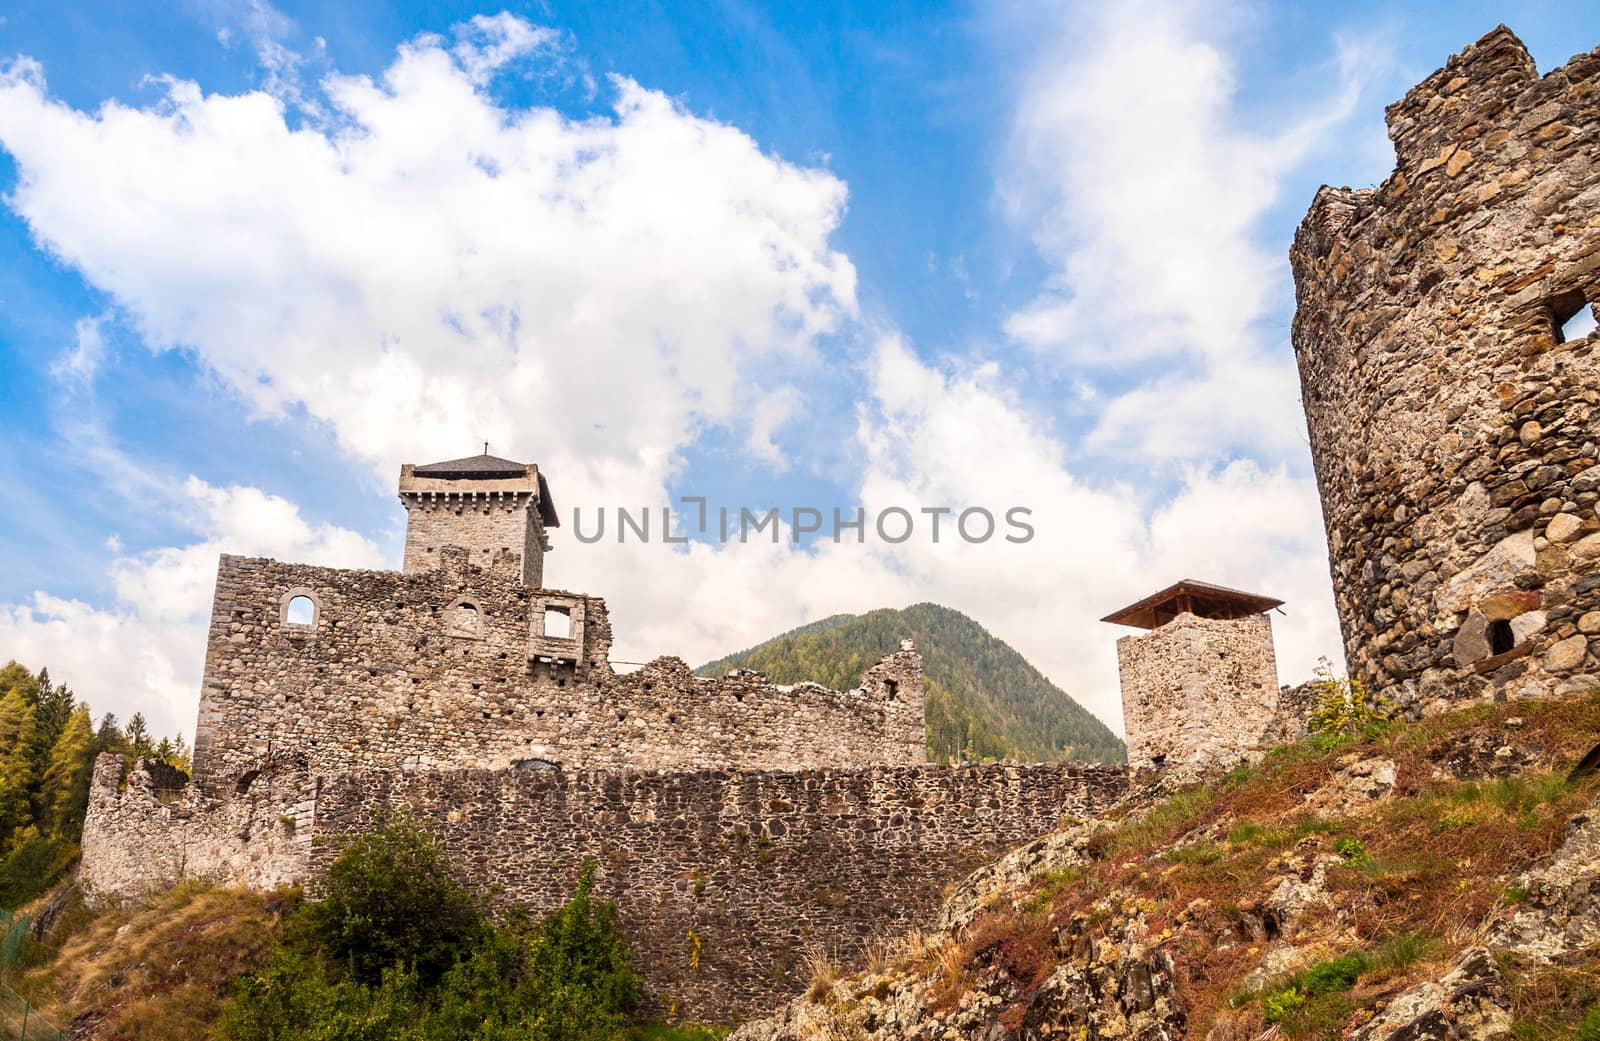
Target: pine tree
18	772
181	758
66	779
109	737
138	735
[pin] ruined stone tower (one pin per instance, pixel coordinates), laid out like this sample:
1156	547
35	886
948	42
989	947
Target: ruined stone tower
495	509
1200	688
1452	404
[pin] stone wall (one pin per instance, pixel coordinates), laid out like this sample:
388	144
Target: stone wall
144	833
484	525
453	667
1454	433
727	879
1198	692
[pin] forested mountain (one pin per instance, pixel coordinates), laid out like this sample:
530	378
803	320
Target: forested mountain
48	744
984	699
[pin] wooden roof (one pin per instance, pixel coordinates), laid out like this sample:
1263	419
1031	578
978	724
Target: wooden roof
473	468
1197	598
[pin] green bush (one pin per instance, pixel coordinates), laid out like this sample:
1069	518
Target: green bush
1589	1029
1354	852
1343	707
1335	974
1279	1005
397	951
391	901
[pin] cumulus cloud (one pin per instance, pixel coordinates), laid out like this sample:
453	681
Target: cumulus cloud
428	269
145	652
421	268
1144	189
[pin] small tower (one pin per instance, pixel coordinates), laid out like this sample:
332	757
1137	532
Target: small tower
1201	687
493	508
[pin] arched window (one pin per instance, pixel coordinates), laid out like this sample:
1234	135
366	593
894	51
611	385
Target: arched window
1501	638
464	618
300	610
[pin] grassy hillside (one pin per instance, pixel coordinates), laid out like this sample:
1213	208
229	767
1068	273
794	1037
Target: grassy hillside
984	699
1408	881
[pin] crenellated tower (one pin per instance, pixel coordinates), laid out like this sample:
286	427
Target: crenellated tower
495	509
1451	382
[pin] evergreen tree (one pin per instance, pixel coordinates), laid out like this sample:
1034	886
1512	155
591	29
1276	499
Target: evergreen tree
18	773
66	779
138	737
109	737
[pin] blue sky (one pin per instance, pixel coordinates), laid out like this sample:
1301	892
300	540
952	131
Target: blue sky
254	257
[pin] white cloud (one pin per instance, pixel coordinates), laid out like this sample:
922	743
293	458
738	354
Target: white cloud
80	364
432	270
145	652
425	269
1144	189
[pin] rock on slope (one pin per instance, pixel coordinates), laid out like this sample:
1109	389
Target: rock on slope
1435	881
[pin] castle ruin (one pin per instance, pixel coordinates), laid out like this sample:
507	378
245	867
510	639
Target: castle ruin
1453	420
740	824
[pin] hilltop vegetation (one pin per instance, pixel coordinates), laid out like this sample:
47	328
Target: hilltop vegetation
984	700
48	744
395	950
1435	880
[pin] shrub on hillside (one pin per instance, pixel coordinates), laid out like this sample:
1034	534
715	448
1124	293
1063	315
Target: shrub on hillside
1343	706
398	950
390	901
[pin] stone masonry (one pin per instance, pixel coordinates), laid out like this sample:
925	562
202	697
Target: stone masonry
1198	692
395	672
490	507
1453	424
726	879
1200	688
740	824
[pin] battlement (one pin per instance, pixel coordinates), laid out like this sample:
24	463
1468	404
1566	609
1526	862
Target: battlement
1451	404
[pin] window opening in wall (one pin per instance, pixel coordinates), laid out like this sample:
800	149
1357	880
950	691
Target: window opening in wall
467	617
1501	638
1574	316
557	623
891	688
301	610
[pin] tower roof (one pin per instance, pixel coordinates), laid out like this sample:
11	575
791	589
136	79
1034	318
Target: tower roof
483	467
1197	598
498	476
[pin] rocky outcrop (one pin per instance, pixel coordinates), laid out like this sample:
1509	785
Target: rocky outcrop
1467	1004
1560	912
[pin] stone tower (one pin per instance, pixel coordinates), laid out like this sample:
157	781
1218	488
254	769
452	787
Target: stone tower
493	508
1201	687
1452	400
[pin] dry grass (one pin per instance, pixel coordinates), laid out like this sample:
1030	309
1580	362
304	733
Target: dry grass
1419	874
823	972
156	973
